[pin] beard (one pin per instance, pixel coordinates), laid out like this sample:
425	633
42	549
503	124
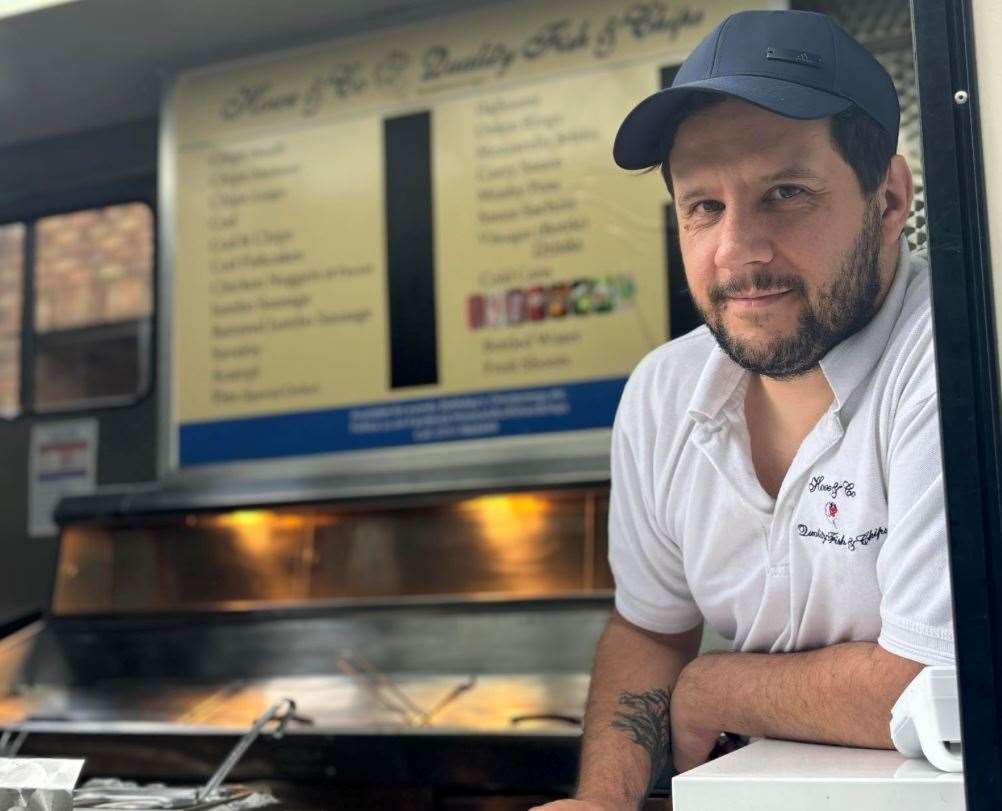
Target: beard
839	309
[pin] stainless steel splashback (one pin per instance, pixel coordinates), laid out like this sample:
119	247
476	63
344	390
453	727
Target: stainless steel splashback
516	545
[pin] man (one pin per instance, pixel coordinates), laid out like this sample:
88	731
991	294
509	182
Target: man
777	470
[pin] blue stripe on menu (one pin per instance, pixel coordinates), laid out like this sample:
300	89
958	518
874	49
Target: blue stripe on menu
544	409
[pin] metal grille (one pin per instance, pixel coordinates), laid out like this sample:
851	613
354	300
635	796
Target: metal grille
873	22
884	26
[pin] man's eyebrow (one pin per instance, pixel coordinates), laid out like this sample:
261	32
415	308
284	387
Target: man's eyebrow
786	173
691	194
791	173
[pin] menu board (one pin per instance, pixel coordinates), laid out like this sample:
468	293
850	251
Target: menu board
419	235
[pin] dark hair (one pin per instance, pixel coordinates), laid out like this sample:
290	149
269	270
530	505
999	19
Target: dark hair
862	142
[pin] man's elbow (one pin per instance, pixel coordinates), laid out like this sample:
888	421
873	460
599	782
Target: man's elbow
891	674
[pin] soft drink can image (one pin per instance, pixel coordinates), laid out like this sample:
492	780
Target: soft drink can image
517	306
626	290
494	310
537	303
475	311
557	300
581	303
601	297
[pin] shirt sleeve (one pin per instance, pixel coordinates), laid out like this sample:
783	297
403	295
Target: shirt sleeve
651	590
913	571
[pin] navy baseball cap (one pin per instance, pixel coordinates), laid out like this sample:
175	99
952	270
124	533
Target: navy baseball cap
798	64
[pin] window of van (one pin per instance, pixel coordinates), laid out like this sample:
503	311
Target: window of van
93	303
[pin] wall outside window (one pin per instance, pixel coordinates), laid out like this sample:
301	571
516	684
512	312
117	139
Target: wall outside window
11	305
93	290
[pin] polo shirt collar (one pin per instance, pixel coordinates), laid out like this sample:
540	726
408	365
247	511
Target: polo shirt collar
845	367
717	384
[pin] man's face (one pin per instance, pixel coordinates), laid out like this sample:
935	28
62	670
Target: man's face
781	249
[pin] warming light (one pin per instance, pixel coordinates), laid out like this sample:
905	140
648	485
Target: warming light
511	526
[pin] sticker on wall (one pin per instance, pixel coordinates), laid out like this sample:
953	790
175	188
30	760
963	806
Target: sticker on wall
63	462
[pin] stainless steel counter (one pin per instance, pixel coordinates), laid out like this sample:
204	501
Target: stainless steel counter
500	704
464	696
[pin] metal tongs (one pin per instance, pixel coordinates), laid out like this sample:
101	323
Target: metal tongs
153	798
388	693
11	741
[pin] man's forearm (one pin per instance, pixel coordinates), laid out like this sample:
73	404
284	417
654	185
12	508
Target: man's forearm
840	694
626	740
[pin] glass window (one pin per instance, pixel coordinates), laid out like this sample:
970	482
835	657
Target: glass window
11	292
93	276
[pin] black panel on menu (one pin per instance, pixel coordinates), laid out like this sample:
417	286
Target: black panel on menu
410	259
682	314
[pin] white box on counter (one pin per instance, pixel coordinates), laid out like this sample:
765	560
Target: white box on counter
38	784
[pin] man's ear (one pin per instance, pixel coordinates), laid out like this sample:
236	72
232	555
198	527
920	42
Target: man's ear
896	200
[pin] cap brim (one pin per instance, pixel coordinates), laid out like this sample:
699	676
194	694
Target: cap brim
640	139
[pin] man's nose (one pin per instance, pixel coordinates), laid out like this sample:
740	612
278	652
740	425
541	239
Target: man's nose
743	240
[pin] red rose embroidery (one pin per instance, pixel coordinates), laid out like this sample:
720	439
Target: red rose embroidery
831	510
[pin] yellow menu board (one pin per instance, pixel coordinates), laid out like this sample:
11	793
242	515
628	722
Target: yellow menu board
418	235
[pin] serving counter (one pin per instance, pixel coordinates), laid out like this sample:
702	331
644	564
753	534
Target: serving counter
768	775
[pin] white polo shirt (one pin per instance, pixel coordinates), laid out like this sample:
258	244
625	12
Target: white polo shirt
854	546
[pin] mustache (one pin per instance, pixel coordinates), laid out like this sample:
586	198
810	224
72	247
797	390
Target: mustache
760	280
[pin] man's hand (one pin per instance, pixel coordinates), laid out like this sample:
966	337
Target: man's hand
694	732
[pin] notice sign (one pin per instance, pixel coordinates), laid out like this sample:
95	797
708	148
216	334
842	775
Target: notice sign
63	462
418	236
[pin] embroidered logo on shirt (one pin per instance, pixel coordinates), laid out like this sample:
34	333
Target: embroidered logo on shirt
835	490
831	510
839	538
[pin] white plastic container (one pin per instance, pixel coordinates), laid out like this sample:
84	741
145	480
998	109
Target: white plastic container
38	783
925	720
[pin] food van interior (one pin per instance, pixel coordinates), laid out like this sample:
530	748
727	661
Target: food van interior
437	647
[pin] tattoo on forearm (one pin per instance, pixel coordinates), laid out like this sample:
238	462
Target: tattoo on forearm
646	719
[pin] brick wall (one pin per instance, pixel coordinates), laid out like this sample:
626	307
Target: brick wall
11	278
93	267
